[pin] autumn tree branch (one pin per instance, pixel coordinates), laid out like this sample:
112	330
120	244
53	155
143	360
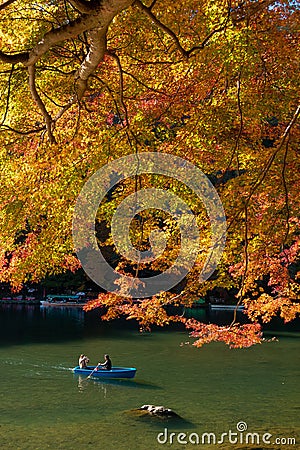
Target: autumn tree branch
284	139
6	4
121	85
243	12
241	125
23	133
286	192
8	94
268	165
39	102
167	30
163	27
109	91
152	4
273	156
95	19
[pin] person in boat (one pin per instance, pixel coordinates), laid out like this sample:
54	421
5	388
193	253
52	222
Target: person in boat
107	363
83	361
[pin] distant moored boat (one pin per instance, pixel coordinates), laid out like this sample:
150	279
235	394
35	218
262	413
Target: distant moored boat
64	300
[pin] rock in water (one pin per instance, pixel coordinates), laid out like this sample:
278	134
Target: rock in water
160	411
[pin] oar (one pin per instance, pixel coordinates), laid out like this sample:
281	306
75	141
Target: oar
93	371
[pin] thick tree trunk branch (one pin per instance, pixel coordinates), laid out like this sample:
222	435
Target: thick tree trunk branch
96	53
94	57
6	4
85	6
95	19
63	33
14	58
100	16
39	102
82	6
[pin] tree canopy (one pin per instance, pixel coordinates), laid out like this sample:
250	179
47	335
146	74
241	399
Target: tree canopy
84	82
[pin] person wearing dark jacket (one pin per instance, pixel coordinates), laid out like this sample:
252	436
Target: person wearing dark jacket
107	363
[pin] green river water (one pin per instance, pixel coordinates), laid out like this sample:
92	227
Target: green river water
43	405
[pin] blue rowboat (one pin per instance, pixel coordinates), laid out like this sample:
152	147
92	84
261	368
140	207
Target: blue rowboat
115	372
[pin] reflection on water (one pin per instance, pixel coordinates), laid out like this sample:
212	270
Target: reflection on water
21	324
225	317
83	385
83	382
73	312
